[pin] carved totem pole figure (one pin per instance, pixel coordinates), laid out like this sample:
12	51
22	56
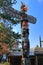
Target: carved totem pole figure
25	33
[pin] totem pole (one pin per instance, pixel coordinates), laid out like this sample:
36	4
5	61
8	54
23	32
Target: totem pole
25	33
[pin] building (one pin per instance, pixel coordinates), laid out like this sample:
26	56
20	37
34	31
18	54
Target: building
36	56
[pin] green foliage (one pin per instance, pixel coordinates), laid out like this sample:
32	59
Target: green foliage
3	2
6	16
6	33
6	63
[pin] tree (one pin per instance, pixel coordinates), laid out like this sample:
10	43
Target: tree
4	5
7	35
6	31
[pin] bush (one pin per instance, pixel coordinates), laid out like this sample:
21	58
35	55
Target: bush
6	63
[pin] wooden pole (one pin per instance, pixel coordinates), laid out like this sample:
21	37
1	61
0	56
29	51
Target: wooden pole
36	60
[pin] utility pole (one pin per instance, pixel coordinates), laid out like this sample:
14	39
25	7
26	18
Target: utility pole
41	41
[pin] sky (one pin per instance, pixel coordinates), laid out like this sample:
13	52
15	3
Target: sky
35	8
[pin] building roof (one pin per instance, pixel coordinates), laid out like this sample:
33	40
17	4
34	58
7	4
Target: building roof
15	53
38	50
32	52
19	53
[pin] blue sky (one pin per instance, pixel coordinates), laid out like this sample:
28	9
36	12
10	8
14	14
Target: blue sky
35	8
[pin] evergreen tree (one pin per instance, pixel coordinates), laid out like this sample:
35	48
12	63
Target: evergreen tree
7	35
5	15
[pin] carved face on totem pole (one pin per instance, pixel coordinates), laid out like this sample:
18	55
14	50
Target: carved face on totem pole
24	8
